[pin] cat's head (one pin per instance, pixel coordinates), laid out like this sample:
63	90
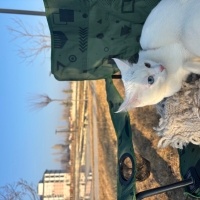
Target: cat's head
143	83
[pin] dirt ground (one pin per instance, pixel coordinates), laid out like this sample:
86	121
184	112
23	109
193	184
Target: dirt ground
164	162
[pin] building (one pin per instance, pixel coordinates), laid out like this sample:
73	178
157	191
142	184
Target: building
55	185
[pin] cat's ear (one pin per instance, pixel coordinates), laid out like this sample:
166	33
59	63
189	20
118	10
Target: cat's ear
130	102
123	65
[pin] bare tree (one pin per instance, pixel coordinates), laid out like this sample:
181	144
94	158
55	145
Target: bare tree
65	163
68	91
19	190
61	147
40	101
39	41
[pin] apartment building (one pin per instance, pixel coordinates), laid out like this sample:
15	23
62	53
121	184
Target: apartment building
55	185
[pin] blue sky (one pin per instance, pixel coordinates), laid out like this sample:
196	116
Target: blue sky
26	137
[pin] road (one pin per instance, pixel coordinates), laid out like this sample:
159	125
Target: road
86	147
95	144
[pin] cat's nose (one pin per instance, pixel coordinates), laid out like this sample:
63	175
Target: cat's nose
161	68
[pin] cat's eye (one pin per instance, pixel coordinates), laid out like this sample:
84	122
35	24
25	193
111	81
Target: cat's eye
150	80
148	65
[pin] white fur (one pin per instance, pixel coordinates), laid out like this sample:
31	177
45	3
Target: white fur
170	38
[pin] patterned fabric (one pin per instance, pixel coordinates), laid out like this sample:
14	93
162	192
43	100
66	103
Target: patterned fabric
86	34
180	117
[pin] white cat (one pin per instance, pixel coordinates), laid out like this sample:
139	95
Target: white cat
170	42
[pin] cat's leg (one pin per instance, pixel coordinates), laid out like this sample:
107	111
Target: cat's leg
193	65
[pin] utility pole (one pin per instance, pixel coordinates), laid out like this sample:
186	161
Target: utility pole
22	12
61	131
64	131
